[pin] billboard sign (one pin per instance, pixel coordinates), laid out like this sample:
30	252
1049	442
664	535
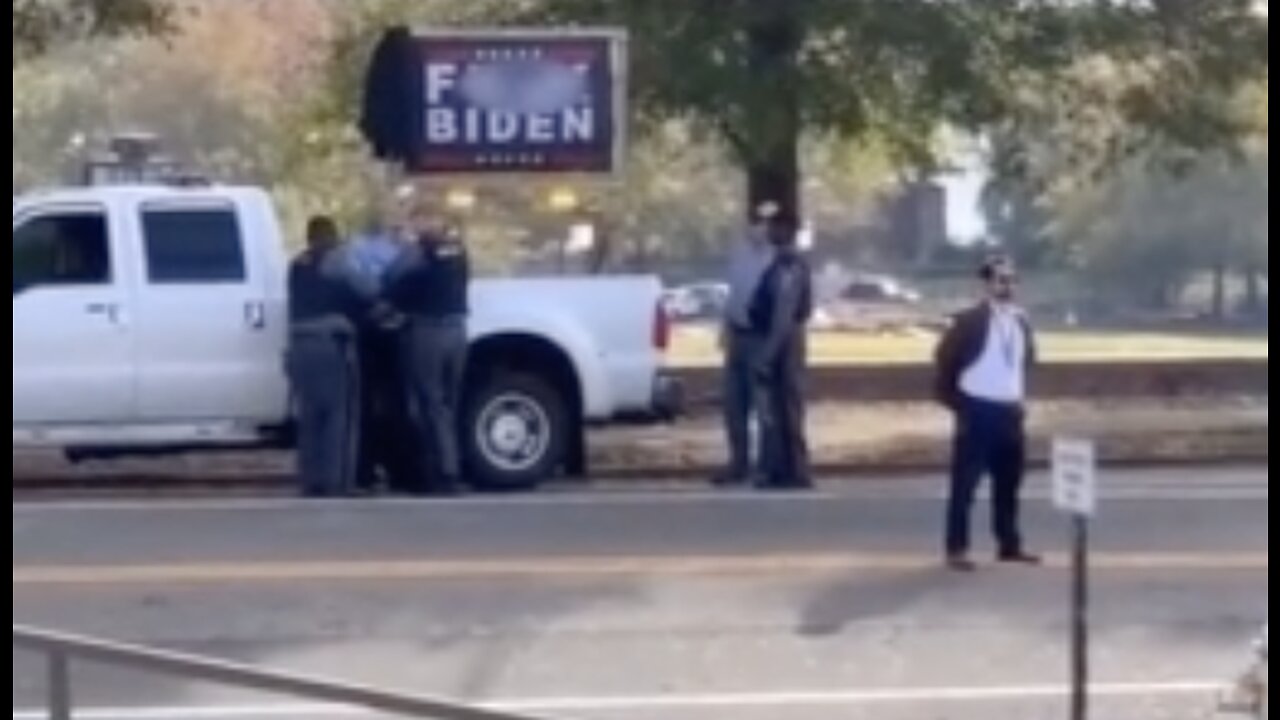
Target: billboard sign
503	101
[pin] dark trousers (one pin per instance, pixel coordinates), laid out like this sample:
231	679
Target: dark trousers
742	349
990	439
323	369
435	368
387	434
780	396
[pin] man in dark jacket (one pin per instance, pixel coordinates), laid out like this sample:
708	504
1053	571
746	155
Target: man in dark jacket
430	288
780	315
983	364
323	365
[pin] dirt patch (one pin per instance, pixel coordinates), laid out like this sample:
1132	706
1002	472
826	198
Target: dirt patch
847	438
918	435
1138	381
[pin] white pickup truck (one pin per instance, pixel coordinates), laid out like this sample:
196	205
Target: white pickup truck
152	320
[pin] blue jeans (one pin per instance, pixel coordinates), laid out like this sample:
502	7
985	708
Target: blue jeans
781	404
741	352
990	440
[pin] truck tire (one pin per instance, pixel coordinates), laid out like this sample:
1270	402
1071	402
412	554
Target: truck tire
517	429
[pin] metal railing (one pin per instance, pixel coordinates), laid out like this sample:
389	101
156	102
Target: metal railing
60	651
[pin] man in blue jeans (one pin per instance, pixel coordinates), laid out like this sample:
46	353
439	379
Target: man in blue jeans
983	363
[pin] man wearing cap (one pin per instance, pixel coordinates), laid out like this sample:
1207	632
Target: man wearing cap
748	262
780	315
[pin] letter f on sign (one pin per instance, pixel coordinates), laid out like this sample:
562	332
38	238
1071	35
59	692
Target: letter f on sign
441	78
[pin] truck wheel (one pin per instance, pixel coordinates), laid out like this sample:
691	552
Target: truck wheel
516	432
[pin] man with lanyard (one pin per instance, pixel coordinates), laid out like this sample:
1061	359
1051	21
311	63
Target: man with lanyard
982	365
780	314
429	287
323	364
748	262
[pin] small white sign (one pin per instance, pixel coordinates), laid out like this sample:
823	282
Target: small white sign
1075	476
582	239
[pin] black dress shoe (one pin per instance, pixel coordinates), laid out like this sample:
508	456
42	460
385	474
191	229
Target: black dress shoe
1021	558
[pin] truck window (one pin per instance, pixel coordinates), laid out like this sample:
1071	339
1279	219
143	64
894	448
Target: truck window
193	247
64	250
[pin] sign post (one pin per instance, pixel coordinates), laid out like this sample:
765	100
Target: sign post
1075	492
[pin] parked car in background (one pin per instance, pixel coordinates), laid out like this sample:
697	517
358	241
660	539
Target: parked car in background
697	303
880	305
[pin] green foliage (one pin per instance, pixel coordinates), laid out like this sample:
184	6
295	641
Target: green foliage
906	68
39	24
1144	235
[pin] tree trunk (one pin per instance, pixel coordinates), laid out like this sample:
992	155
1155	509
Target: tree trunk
1254	302
770	145
776	180
1220	292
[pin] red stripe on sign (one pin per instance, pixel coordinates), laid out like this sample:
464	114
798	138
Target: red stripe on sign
575	56
448	53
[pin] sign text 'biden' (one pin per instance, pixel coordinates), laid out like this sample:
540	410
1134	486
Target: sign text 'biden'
517	102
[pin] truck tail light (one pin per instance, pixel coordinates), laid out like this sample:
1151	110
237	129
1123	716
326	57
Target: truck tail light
661	328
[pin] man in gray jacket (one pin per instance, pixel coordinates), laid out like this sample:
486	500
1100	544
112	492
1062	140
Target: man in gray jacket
749	259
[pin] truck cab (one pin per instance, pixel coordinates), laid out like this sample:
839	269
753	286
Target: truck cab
151	319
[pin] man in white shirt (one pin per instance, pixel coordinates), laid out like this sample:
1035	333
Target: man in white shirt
983	363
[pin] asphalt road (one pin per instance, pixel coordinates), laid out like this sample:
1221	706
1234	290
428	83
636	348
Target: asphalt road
654	606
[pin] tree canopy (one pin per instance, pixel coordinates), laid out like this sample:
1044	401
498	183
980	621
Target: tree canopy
38	24
762	73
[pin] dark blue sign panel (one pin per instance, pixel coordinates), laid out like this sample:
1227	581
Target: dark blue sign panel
532	102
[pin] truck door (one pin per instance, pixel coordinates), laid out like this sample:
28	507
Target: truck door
73	342
206	351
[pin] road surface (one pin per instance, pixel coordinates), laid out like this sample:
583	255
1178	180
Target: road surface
653	606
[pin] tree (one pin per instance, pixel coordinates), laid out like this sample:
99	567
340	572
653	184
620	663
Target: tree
761	73
1018	219
1142	217
211	88
38	24
1144	234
